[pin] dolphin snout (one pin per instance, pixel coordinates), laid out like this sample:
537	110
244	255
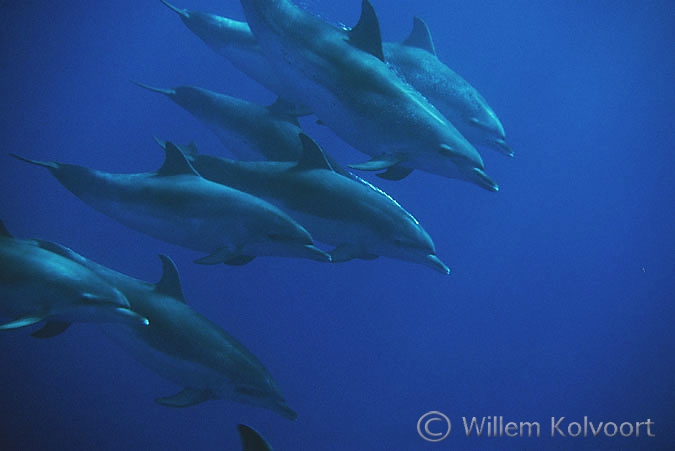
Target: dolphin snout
434	262
282	409
503	147
484	180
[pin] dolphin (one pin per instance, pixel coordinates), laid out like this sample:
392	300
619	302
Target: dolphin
416	62
233	40
251	440
178	206
39	285
183	346
342	77
247	129
336	207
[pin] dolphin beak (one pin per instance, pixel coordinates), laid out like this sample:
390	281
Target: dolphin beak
434	262
181	12
503	147
285	411
480	177
130	317
314	253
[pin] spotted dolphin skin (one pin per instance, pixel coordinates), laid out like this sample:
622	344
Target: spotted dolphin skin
415	60
39	285
178	206
183	346
337	208
342	77
248	130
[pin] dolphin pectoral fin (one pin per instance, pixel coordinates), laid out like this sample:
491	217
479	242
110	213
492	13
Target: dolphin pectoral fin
348	251
377	163
395	173
51	329
186	398
251	440
21	322
366	34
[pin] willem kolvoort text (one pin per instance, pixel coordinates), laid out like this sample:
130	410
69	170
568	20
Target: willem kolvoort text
497	427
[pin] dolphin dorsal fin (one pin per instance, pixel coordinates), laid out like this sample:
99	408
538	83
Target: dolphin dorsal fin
4	231
169	284
251	440
366	33
312	156
420	37
175	162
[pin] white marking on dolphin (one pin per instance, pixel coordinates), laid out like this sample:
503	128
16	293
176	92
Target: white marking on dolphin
247	129
341	76
39	285
337	208
183	346
416	62
178	206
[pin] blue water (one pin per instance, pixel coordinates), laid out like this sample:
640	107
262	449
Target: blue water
560	301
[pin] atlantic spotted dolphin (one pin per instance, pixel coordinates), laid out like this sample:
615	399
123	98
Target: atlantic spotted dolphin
233	40
342	77
248	130
336	207
415	61
178	206
37	285
183	346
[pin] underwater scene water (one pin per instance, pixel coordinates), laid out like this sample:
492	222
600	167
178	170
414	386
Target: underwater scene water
552	330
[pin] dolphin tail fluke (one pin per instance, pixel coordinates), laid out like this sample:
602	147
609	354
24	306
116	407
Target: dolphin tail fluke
181	12
186	398
45	164
251	440
166	92
51	329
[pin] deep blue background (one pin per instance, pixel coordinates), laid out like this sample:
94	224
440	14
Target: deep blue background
561	298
